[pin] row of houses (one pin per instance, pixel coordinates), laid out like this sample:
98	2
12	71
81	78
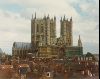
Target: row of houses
38	67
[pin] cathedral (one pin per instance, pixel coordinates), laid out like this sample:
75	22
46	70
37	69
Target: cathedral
44	42
43	31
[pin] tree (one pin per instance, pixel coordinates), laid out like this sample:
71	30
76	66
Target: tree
89	54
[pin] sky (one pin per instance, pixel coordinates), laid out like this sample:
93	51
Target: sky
15	20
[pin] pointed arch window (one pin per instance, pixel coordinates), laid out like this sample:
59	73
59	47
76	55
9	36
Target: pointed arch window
37	28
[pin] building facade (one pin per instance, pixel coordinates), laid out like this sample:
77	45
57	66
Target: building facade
43	30
66	31
44	42
21	49
48	51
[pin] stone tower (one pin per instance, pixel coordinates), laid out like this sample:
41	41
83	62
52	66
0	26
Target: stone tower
66	31
79	42
43	30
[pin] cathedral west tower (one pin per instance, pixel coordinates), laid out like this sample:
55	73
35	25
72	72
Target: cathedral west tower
66	31
43	30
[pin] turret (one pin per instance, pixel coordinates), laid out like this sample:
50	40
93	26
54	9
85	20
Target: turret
71	19
54	18
61	19
79	42
64	17
48	16
44	17
35	15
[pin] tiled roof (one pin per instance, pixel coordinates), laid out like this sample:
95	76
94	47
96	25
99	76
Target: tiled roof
23	65
21	45
6	66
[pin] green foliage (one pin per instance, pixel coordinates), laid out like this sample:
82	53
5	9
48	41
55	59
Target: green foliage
89	54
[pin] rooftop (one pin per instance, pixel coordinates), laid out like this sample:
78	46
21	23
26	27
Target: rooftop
21	45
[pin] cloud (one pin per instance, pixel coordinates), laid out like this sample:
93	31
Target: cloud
89	45
13	28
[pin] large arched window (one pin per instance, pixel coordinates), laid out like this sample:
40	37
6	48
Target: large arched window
37	28
41	29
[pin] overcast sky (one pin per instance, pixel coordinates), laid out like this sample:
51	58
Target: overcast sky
15	20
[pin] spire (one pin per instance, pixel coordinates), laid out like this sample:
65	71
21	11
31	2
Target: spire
71	19
48	16
54	18
79	37
64	17
79	42
44	16
35	15
67	19
61	19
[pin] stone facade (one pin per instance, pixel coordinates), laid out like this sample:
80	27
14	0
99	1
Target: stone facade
48	51
21	49
43	31
66	31
44	42
73	50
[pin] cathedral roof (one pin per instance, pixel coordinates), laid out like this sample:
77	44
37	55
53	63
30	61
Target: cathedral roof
22	45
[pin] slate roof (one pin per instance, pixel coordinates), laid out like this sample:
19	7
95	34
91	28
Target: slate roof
22	45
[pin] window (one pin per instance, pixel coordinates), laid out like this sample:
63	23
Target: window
48	74
41	29
37	28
